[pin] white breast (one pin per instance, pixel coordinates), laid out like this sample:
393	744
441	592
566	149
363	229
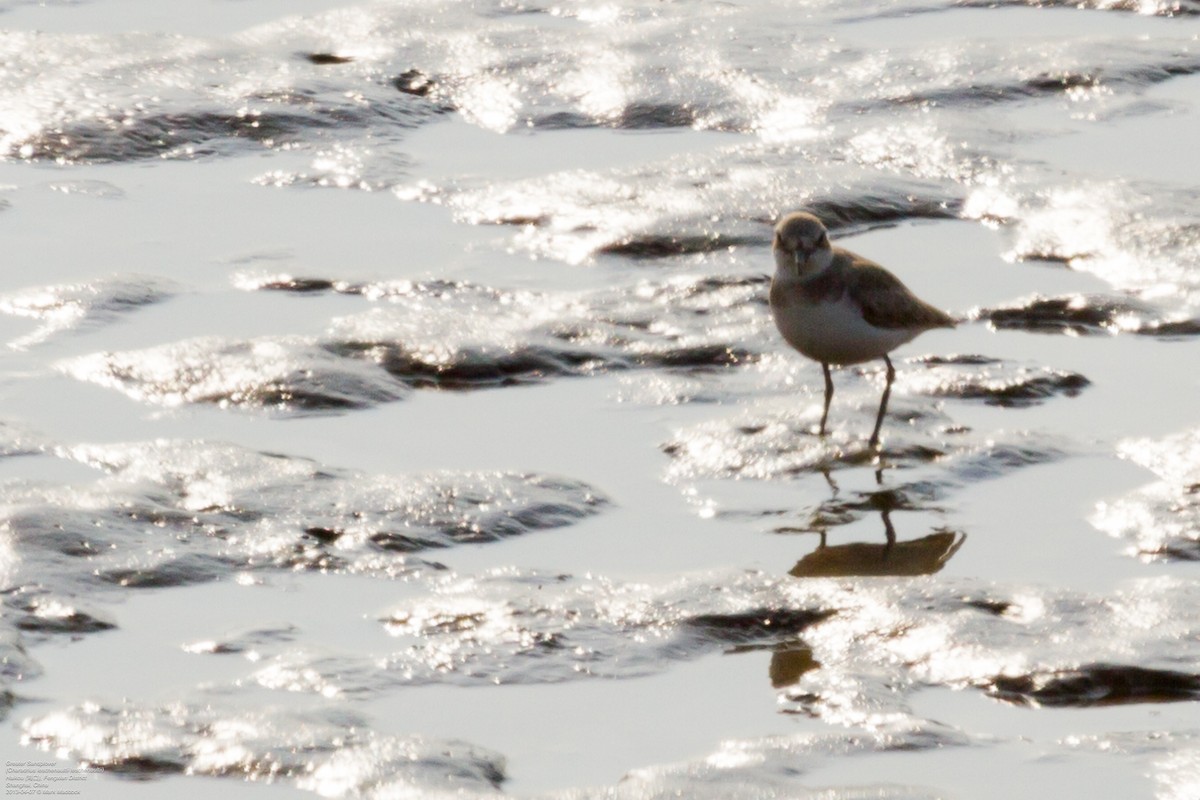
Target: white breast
833	332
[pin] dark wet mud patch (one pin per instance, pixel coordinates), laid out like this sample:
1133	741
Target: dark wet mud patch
482	368
162	570
1096	685
651	246
292	378
298	285
1024	391
859	649
325	59
285	376
839	213
755	625
399	291
178	513
133	97
782	766
873	210
995	382
250	641
186	134
16	664
50	615
1082	315
323	751
921	466
781	444
474	368
1162	8
890	639
17	441
69	307
1174	329
449	335
988	605
766	447
330	753
1141	238
275	119
665	211
512	627
849	652
636	116
979	95
642	116
416	83
1161	520
1079	72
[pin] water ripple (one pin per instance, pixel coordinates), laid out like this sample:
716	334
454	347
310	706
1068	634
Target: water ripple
1161	520
69	307
330	753
174	513
448	335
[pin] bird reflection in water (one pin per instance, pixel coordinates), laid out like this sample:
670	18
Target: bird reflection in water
923	556
789	661
926	555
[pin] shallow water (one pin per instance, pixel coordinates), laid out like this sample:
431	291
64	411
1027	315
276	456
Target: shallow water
391	407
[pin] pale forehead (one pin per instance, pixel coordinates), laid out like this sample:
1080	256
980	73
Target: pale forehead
799	225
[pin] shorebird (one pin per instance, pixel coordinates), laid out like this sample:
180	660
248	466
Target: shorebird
838	308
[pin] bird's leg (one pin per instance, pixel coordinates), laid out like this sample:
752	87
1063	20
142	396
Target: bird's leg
829	479
828	395
889	532
887	391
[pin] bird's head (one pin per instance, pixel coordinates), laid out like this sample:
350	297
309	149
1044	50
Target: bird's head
801	246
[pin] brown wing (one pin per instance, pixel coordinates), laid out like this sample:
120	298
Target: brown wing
886	302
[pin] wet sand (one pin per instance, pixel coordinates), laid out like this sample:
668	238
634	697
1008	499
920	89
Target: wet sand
429	479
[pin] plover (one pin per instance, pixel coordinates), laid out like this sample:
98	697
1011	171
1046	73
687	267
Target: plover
839	308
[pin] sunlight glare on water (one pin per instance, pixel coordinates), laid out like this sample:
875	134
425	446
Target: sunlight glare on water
392	405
